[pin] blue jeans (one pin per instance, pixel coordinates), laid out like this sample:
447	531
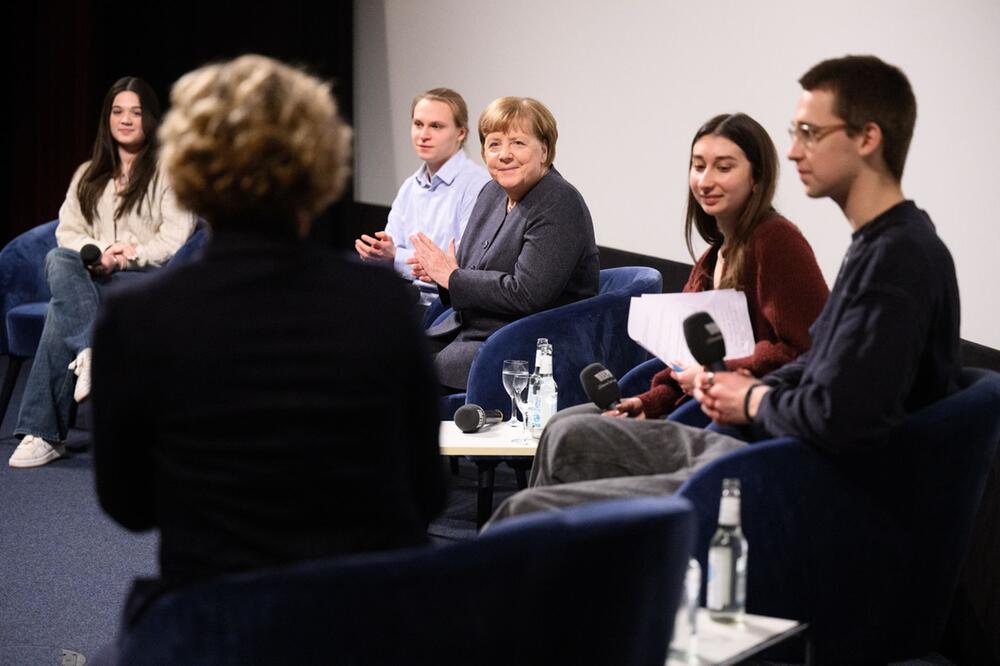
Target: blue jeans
76	294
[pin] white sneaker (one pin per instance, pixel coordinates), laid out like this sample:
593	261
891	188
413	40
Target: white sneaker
35	452
81	368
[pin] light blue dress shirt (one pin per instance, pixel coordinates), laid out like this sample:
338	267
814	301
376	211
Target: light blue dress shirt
438	206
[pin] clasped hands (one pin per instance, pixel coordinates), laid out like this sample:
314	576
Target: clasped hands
723	396
114	258
430	263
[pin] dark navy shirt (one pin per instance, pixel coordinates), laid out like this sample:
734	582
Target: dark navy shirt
885	345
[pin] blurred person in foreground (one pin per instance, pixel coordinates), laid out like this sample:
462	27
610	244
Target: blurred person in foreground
233	399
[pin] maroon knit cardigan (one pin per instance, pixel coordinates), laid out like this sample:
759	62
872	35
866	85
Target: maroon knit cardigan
785	292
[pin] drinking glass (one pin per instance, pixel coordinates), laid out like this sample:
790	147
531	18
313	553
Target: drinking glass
521	397
684	646
515	373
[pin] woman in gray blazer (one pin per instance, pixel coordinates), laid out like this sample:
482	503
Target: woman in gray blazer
529	245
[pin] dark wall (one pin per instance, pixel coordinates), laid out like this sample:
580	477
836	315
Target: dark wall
65	56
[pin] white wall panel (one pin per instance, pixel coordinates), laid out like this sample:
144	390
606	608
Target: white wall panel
630	82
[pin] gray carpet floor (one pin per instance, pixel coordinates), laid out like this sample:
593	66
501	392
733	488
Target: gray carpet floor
65	568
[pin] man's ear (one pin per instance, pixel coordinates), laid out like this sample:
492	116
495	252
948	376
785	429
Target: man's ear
870	139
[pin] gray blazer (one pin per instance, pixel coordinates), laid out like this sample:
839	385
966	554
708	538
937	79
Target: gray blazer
539	256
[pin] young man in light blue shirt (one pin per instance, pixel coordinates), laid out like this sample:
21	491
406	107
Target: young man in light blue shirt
438	199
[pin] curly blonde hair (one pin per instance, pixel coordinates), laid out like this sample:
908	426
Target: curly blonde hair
254	141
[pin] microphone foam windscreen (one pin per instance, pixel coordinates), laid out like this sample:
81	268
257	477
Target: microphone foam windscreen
470	418
704	339
600	385
90	254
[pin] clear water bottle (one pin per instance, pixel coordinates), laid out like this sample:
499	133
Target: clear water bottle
727	559
534	381
543	394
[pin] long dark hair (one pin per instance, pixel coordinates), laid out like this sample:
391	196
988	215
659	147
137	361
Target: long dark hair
105	163
755	143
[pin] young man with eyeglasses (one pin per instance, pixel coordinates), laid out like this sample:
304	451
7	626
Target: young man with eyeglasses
885	345
887	342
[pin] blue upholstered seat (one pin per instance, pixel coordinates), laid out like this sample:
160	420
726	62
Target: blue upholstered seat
866	546
592	330
596	584
24	298
24	295
637	380
23	287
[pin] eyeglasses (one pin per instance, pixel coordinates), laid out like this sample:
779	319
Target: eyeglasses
809	135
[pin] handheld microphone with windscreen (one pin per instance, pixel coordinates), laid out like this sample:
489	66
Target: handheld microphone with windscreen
601	386
704	339
90	255
472	418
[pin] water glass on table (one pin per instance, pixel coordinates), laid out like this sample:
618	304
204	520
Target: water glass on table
521	398
515	379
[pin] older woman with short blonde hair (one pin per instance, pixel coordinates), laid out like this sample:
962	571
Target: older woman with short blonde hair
227	395
529	245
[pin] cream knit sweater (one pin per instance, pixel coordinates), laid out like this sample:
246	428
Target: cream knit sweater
157	228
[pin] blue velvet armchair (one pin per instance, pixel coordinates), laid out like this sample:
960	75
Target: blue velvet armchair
592	330
866	547
596	584
24	295
24	298
637	380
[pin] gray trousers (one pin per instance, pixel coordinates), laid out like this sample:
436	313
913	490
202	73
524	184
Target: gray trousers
583	457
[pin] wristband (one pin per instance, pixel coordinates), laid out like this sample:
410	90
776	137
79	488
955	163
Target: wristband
746	400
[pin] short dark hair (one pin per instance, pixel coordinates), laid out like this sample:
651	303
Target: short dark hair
870	90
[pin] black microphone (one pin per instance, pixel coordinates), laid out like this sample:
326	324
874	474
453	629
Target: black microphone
90	255
601	386
704	339
472	418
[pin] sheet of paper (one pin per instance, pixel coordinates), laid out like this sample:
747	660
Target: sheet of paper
656	321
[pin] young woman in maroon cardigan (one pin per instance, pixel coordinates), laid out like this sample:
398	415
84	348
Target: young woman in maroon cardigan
733	175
